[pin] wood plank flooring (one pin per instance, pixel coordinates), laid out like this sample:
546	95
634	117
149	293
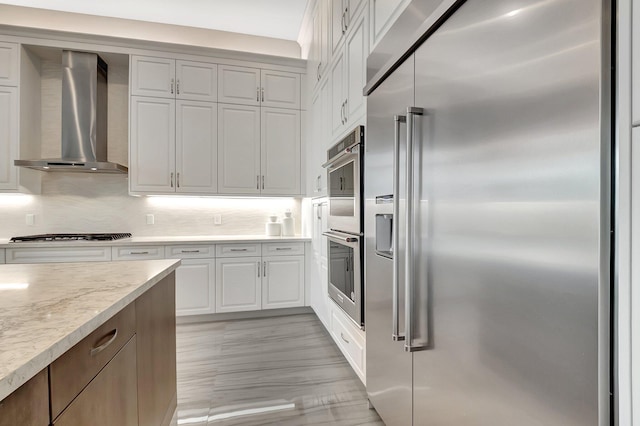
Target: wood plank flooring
270	371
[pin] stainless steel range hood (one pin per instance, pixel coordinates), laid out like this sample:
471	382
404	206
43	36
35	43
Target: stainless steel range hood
84	118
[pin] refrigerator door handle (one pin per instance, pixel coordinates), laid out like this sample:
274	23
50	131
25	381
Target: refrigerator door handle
395	229
410	222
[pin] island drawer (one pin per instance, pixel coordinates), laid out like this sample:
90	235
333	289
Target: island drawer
70	373
282	249
193	251
58	254
137	253
237	250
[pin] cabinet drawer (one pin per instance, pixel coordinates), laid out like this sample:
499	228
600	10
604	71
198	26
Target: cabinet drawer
190	251
28	405
137	253
283	249
70	373
237	250
348	339
110	398
58	254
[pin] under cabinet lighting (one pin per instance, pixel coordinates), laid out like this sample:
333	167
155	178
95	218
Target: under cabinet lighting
14	286
12	200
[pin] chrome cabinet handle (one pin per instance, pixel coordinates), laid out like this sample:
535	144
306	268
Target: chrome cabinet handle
410	222
346	18
283	248
172	179
318	75
97	349
138	252
262	181
257	181
264	269
346	110
395	230
171	86
344	338
258	269
342	113
257	94
178	87
189	251
262	91
178	180
342	23
243	249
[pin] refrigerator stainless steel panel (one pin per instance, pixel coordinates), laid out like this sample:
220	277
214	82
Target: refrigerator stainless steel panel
388	366
509	216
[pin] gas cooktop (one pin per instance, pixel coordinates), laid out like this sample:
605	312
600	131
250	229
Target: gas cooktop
71	237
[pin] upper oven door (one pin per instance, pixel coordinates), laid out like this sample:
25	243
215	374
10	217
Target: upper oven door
345	192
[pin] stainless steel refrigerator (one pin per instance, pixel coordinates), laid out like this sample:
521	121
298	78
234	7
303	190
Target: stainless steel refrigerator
487	219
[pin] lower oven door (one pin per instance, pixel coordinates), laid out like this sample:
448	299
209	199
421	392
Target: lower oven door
345	273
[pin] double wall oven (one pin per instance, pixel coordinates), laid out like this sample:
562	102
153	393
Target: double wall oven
345	222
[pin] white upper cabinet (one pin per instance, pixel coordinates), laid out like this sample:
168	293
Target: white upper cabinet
252	86
153	77
174	79
196	81
280	143
196	147
152	145
343	13
239	85
9	140
319	51
9	69
338	98
356	52
239	149
280	89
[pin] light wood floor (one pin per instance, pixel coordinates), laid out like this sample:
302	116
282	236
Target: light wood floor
268	371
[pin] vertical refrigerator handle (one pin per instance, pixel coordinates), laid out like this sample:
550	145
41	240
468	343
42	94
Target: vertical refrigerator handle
410	222
395	331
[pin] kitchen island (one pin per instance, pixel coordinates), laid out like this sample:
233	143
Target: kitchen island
67	327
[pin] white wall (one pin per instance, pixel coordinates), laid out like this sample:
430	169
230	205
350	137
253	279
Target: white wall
138	30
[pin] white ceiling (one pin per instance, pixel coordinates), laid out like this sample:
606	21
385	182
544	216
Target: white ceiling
268	18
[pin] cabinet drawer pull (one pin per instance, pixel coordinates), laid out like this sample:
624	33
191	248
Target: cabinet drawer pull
262	91
96	350
343	338
190	251
264	269
283	248
138	252
244	249
257	94
258	269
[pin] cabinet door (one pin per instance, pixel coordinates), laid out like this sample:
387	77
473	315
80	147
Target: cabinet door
29	404
281	89
153	77
195	287
110	398
337	23
238	149
238	283
337	96
313	141
314	50
9	73
356	54
196	81
9	139
283	282
280	151
352	8
196	147
152	145
238	85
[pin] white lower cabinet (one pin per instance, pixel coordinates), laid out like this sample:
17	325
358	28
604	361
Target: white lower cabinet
238	284
195	287
349	338
195	278
58	254
281	282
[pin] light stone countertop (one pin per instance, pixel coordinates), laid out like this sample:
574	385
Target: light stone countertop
161	240
45	309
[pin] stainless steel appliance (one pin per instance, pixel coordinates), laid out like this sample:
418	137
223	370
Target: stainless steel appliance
71	237
344	170
488	277
84	118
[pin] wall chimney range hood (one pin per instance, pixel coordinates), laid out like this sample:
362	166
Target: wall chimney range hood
84	118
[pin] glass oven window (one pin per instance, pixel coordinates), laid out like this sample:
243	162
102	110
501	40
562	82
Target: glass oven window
342	190
341	269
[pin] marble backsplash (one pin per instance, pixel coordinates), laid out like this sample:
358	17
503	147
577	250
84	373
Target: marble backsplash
82	202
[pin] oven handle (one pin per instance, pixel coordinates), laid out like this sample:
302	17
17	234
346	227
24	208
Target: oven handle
395	224
352	149
341	237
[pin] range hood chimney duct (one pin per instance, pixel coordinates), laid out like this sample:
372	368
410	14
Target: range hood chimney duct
84	118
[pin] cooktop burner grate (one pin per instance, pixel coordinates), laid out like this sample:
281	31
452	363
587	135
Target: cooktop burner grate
71	237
